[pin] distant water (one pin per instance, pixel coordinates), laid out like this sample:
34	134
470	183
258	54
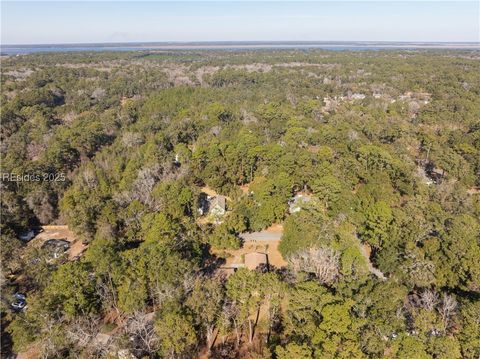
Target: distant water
233	46
23	50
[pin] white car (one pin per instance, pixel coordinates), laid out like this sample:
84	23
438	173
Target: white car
18	305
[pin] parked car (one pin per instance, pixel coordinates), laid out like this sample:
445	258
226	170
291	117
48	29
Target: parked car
19	303
20	296
27	236
30	234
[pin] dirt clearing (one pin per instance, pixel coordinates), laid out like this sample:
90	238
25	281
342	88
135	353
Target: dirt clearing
60	232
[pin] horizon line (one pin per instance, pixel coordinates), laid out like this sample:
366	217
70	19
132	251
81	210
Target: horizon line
244	42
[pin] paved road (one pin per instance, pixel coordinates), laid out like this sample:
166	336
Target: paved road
261	236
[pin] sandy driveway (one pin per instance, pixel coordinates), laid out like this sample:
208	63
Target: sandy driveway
260	236
272	233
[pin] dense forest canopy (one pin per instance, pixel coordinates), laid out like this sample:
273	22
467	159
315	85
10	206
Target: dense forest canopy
370	161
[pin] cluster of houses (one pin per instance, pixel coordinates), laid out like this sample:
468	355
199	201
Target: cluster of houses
419	98
213	207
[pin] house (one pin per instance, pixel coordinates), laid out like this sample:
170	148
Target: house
357	96
436	174
213	206
217	206
422	175
429	173
56	247
330	104
254	259
298	202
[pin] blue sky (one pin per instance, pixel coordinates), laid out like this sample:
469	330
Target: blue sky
40	22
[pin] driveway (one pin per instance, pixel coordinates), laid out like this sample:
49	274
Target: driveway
261	236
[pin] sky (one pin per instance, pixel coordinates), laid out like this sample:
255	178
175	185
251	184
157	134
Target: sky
55	22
